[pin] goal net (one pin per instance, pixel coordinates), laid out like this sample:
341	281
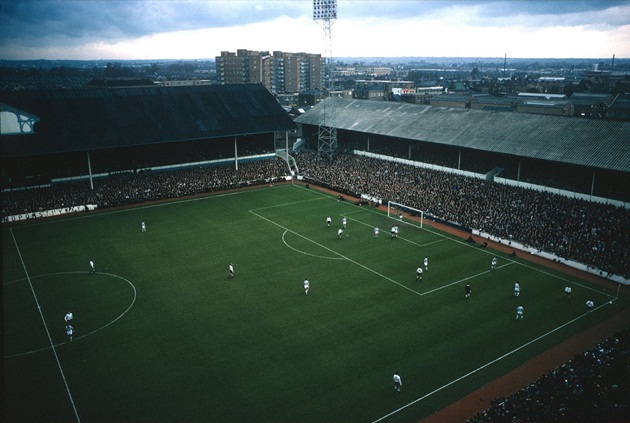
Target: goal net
404	213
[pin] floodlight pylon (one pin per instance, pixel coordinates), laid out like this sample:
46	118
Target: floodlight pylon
325	12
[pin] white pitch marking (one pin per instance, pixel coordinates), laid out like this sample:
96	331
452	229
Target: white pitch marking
484	366
54	350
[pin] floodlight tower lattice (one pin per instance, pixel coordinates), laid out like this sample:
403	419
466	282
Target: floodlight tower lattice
325	12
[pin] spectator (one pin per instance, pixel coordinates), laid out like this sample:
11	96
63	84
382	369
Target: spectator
583	231
588	388
573	229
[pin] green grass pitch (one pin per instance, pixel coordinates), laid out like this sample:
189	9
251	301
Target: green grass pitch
162	333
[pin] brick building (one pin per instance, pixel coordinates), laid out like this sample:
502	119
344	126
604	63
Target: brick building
280	72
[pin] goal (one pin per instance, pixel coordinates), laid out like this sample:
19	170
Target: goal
397	211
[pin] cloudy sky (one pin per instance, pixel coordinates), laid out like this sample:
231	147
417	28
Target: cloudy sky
198	29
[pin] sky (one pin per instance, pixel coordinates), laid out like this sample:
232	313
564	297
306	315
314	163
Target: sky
202	29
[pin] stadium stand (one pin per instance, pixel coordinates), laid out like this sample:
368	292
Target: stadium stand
82	120
126	131
575	229
543	220
589	388
93	131
122	132
132	188
587	155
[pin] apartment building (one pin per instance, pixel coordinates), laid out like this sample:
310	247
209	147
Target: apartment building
242	67
280	72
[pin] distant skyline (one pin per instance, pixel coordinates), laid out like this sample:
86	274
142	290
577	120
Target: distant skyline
201	29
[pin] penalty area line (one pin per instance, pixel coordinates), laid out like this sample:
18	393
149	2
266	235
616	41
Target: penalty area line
336	253
463	280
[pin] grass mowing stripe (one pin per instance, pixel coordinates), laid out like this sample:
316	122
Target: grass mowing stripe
135	208
486	365
217	349
304	252
536	269
561	278
39	309
133	301
510	262
290	203
340	255
462	280
434	242
400	237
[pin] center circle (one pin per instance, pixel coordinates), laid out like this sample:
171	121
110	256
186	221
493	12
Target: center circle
90	297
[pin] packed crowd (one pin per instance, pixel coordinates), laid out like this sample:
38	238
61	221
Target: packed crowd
573	229
130	188
562	176
590	388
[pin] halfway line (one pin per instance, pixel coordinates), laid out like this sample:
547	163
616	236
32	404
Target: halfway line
52	345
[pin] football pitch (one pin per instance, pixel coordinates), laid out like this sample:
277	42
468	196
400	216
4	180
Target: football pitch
163	334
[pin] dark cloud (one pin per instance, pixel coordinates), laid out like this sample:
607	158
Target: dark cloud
118	19
111	20
37	19
541	13
38	24
486	9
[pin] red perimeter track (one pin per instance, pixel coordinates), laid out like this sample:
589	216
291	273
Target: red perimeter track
468	406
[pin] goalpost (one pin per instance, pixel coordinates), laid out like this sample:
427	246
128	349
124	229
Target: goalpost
617	296
396	210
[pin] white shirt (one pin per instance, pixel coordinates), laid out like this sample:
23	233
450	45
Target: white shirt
376	230
397	379
426	261
68	317
231	268
91	264
419	270
567	289
305	283
519	310
517	287
340	231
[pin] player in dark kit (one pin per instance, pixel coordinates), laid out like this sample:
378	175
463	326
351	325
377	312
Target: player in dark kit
467	290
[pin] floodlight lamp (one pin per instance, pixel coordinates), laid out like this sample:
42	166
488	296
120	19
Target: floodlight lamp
324	9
